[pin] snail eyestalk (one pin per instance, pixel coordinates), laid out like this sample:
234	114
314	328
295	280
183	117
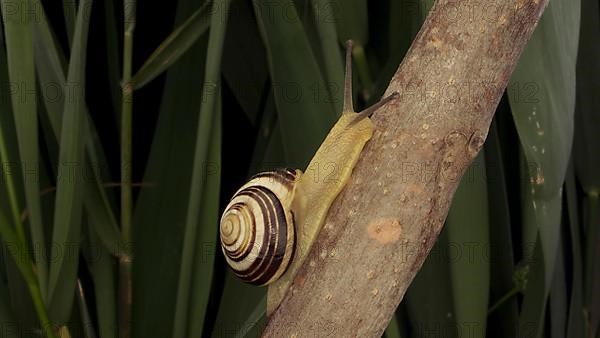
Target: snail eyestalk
368	112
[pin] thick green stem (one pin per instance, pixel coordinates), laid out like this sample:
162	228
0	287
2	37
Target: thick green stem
125	292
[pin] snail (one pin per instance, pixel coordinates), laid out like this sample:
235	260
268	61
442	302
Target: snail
271	222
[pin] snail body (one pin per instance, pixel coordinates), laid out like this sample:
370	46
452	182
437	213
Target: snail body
270	223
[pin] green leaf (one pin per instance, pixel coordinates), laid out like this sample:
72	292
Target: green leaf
53	82
352	20
19	46
209	220
86	321
542	98
393	328
241	306
575	324
159	215
70	13
328	38
301	96
586	157
429	303
503	321
7	320
558	296
587	119
68	207
467	226
535	295
175	45
199	170
102	268
256	320
244	60
113	56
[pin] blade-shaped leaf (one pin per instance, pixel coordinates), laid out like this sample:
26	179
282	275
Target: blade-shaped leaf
542	99
86	321
70	14
113	55
586	156
242	305
51	72
206	244
102	268
207	108
7	320
467	226
575	324
352	20
175	45
328	38
301	96
587	138
159	215
19	46
429	303
255	322
68	208
244	61
503	321
558	296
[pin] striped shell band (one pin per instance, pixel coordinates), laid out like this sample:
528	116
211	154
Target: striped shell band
257	227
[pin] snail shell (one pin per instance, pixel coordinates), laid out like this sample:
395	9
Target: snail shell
257	230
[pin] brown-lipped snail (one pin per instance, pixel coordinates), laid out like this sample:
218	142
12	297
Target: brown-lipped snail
270	223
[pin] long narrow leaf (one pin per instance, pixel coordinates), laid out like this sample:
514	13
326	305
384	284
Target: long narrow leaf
300	93
468	227
352	20
102	268
542	99
207	108
247	75
161	210
86	321
175	45
51	72
68	209
429	303
19	45
328	38
575	324
503	321
70	14
112	55
209	219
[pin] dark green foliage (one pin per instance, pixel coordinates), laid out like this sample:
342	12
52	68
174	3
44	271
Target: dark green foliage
224	89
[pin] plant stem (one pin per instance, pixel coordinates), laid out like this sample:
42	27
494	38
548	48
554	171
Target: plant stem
125	292
10	189
504	298
22	259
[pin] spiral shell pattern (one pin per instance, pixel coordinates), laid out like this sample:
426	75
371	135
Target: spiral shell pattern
257	227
